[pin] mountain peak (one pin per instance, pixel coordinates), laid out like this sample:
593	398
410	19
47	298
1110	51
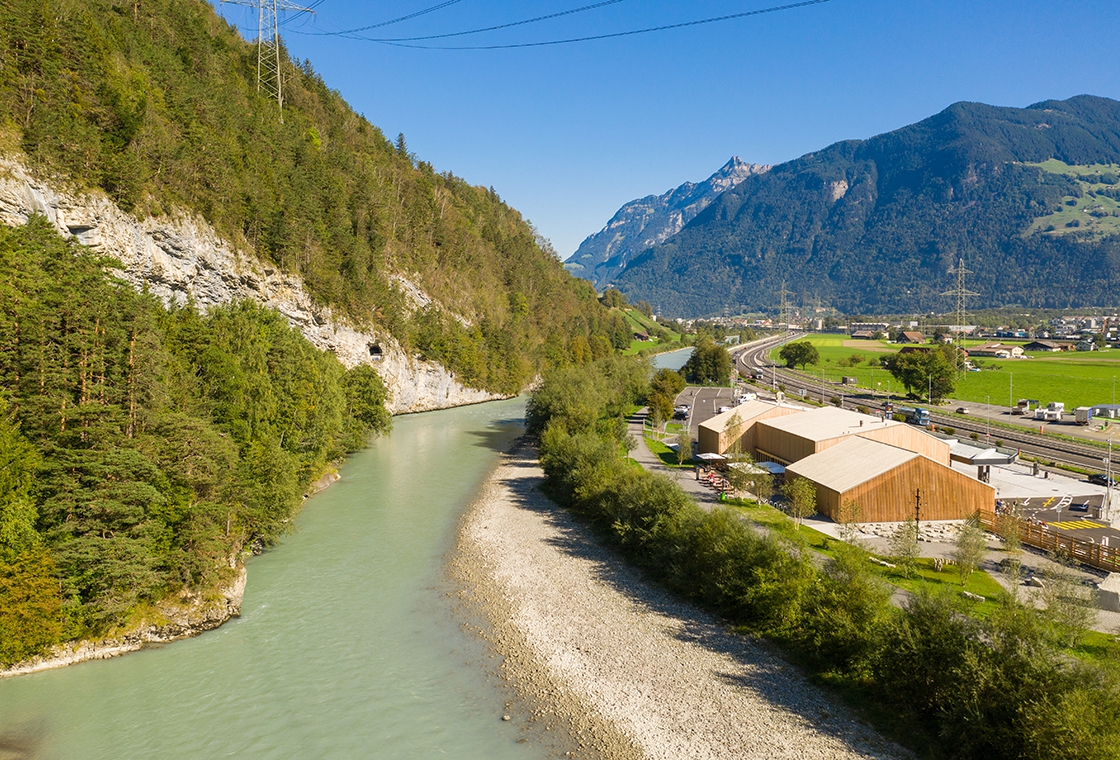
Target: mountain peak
649	221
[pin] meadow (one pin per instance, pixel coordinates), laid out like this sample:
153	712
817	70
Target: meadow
1075	378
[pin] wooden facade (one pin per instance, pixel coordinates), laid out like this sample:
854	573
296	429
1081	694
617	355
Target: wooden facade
892	496
773	444
713	435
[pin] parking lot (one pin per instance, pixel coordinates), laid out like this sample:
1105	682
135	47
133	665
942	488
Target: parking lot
704	403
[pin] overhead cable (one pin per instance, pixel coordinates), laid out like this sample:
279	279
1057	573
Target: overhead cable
410	16
569	12
570	40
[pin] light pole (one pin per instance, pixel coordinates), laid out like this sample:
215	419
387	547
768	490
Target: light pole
930	390
1107	508
1010	393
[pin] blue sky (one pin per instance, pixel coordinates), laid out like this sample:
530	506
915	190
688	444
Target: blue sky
567	134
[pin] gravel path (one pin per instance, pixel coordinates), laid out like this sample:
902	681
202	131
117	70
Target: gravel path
620	667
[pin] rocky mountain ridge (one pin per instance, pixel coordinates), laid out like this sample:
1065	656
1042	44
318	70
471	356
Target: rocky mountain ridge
649	221
1027	197
180	258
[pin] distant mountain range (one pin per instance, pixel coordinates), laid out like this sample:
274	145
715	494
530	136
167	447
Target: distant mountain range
1027	197
648	221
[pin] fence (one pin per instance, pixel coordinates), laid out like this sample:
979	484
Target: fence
1077	549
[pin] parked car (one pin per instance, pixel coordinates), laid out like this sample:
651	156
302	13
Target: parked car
680	412
1100	479
723	409
963	410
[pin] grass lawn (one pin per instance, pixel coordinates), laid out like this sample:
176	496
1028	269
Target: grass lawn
1075	378
667	456
924	575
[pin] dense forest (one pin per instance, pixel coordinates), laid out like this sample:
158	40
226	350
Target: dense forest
141	449
156	104
876	225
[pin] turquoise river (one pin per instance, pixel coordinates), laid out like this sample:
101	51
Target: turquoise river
348	645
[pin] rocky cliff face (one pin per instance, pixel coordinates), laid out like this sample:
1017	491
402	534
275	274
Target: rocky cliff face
646	222
180	258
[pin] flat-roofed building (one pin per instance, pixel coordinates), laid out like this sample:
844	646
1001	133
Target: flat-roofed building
887	481
791	438
715	434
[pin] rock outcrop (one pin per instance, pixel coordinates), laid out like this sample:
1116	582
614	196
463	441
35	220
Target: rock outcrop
648	221
182	257
178	617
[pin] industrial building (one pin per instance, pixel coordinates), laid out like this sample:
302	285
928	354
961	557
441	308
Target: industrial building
892	470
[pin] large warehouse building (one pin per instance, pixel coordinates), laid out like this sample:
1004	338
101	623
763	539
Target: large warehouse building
892	470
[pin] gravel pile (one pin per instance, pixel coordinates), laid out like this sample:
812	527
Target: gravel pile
610	667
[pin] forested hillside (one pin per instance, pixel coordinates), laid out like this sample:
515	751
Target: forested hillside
142	449
874	226
155	103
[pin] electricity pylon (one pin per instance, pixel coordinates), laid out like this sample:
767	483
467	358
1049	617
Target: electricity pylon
783	306
270	77
961	293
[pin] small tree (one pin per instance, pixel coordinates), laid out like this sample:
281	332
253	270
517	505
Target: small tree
904	546
1069	608
684	446
802	496
970	548
847	520
1010	528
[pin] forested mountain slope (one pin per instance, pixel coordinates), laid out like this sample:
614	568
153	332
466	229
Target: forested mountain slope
645	222
155	103
1026	196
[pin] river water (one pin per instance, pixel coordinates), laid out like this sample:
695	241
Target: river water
347	646
671	360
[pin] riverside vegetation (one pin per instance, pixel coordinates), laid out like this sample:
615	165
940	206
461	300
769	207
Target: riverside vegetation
141	449
947	682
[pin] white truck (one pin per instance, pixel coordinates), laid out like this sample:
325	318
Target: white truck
1052	412
1083	415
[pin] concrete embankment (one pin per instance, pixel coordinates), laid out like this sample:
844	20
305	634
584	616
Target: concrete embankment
626	669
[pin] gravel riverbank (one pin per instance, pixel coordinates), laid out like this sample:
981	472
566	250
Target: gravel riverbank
620	667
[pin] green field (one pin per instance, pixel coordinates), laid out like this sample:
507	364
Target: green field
1096	214
639	321
1076	378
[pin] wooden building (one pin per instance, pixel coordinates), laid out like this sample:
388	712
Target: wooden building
889	484
789	439
715	434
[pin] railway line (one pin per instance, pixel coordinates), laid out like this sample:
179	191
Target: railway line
754	360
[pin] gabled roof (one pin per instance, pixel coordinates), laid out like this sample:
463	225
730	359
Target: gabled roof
850	463
827	422
746	412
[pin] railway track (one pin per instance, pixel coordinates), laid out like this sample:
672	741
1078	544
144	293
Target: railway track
755	360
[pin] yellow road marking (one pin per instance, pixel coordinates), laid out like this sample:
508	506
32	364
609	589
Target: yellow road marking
1076	525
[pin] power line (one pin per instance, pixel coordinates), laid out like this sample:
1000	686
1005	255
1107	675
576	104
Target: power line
474	31
409	17
666	27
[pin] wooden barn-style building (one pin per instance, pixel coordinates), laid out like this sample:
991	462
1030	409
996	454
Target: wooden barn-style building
880	464
890	484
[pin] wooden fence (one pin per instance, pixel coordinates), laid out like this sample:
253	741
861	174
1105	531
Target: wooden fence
1077	549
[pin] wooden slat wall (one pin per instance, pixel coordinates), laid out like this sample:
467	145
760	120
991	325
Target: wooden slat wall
946	494
786	446
912	439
